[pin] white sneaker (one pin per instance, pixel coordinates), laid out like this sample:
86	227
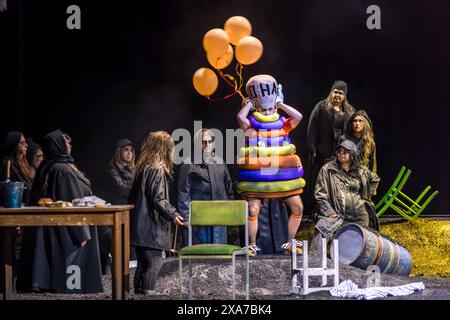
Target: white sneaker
298	246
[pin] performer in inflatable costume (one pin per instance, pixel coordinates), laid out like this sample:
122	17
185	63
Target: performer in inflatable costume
268	166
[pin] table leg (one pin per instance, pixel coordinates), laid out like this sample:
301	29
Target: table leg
117	259
126	255
7	261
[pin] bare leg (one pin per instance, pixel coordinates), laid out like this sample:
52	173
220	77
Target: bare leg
254	206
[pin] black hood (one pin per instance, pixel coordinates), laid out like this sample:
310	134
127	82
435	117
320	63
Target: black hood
32	148
55	149
362	113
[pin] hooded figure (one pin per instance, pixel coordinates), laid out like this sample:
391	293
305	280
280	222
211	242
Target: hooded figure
58	248
33	148
360	131
343	193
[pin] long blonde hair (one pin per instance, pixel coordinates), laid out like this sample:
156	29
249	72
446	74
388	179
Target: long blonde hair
368	138
346	105
156	152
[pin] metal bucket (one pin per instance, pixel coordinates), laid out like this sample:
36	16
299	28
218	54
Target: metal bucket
12	193
362	248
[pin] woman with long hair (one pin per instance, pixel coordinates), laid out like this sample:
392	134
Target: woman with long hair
15	150
359	130
35	155
120	173
152	214
121	170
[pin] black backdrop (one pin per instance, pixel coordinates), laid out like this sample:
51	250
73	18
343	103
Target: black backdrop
129	71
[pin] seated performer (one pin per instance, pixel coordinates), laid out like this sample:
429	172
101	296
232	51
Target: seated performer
269	167
343	191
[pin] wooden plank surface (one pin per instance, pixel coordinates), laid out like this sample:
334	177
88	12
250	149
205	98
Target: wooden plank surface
56	219
67	210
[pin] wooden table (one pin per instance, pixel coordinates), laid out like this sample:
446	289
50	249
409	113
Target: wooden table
116	216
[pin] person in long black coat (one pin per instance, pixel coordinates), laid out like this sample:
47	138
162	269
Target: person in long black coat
60	252
153	213
120	174
327	123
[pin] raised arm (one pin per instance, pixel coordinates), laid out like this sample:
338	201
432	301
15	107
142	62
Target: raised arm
242	115
294	115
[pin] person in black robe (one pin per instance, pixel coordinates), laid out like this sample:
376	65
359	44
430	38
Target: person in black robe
60	250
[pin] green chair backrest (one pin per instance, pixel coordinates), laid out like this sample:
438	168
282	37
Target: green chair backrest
218	212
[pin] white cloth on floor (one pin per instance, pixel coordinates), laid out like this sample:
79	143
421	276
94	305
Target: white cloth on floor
347	289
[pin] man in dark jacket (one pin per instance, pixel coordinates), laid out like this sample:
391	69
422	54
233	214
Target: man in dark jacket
343	192
209	180
327	123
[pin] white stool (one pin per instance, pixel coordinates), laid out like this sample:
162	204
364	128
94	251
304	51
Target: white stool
307	272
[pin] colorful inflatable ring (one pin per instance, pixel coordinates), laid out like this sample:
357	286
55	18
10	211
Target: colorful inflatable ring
265	118
268	151
255	163
275	125
266	175
274	186
275	141
252	133
270	195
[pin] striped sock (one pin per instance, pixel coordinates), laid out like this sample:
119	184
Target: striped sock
293	224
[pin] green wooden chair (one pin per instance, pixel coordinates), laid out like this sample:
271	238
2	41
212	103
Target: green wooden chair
215	213
397	200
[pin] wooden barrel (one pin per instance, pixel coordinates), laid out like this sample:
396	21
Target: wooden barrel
361	248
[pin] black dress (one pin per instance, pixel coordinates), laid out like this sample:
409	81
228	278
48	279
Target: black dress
57	250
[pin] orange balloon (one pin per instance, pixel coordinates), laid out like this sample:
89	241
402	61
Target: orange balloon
205	81
248	50
237	27
216	42
223	61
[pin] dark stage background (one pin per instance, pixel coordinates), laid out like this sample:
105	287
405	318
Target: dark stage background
129	71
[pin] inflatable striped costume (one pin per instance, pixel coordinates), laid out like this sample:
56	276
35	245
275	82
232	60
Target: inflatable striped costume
268	166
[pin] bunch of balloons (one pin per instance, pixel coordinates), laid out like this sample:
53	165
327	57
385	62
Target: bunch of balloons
221	46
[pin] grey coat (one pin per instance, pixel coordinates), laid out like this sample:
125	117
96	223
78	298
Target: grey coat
334	189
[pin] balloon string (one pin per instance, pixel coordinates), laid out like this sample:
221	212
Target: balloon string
225	77
241	80
220	99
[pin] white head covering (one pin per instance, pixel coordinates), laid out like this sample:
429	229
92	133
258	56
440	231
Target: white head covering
262	89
